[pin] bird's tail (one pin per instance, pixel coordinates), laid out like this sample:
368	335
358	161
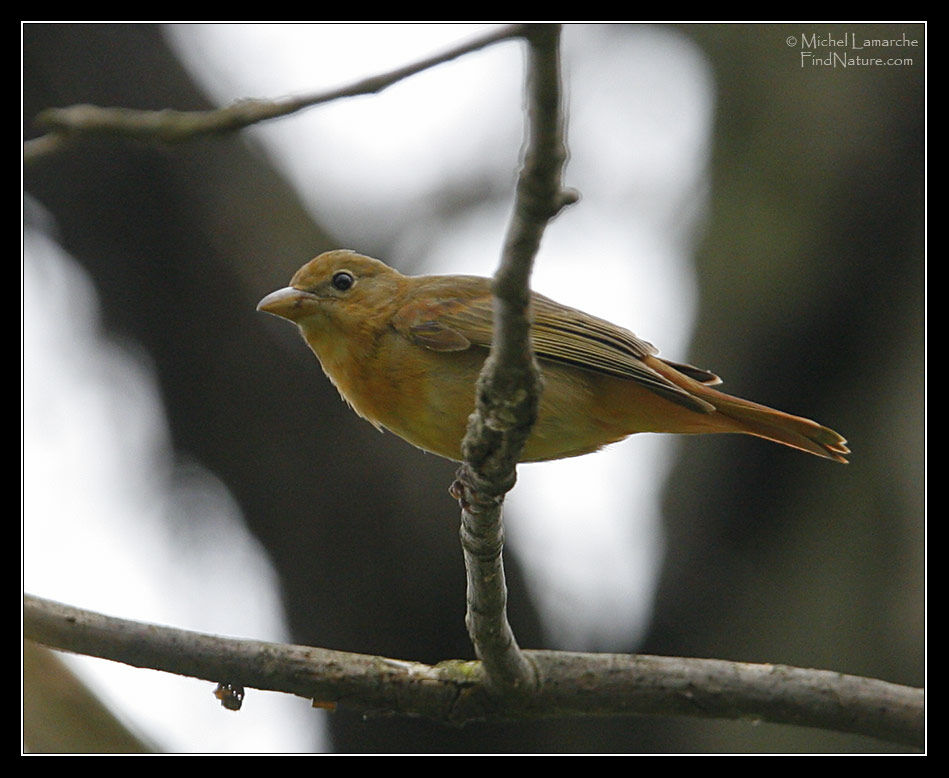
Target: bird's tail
733	414
780	427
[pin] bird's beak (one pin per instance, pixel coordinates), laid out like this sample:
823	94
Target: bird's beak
288	303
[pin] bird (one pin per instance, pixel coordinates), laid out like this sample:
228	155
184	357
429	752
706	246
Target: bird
405	353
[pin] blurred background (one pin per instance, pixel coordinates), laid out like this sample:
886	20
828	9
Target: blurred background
186	462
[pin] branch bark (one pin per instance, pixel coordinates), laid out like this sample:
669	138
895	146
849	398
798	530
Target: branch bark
66	125
457	692
509	386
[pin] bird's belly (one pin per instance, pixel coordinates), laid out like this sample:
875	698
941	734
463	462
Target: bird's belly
573	417
426	400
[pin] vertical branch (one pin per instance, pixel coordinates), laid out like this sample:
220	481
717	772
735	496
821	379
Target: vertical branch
510	384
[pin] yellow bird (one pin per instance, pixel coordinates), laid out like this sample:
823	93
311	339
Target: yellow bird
405	352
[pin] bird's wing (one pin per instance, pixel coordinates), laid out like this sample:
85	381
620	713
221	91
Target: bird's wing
558	333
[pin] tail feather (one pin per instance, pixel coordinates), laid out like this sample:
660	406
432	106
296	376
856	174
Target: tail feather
733	414
780	427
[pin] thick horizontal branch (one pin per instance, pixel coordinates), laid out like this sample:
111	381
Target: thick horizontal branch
455	692
171	126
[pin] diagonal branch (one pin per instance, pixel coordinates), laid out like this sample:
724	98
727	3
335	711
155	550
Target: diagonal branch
458	692
65	125
509	386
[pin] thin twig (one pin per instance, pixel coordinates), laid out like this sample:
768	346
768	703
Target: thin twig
169	126
457	692
509	385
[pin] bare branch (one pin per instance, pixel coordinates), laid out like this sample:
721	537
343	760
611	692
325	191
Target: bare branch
509	385
457	692
169	126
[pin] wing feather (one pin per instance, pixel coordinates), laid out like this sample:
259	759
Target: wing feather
559	334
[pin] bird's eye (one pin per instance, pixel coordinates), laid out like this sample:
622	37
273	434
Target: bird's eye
343	280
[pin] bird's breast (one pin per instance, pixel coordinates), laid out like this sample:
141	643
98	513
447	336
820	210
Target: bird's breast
421	395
